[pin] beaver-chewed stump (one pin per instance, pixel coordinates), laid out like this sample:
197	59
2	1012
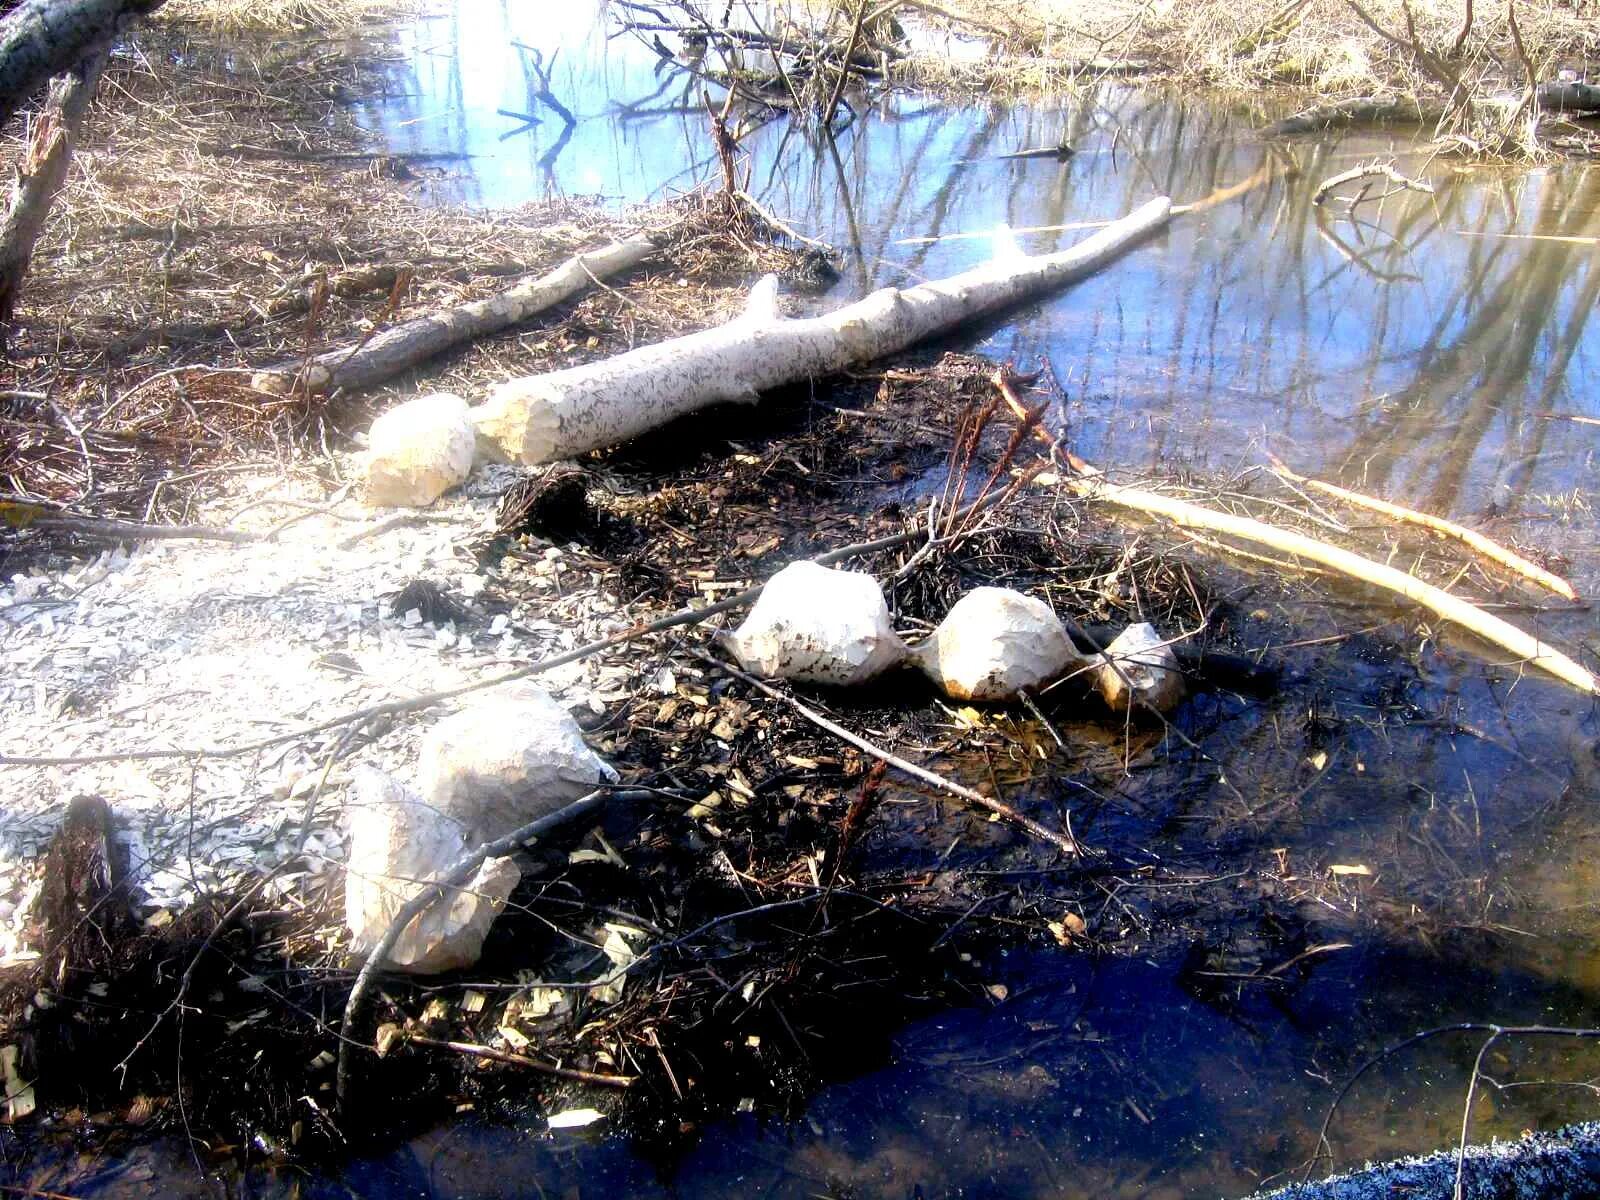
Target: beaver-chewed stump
82	908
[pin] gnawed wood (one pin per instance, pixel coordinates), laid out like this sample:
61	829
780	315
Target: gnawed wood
43	171
1090	483
1524	646
412	342
561	414
1485	546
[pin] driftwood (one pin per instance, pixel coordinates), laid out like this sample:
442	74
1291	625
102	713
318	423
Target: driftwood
566	413
1485	546
415	341
1370	171
1090	483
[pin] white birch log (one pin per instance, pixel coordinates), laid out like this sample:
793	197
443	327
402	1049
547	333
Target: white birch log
540	418
411	342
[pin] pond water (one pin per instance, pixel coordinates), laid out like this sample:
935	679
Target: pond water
1436	349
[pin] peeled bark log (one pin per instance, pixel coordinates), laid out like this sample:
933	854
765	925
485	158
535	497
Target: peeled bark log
40	177
42	38
1487	547
565	413
1464	613
394	350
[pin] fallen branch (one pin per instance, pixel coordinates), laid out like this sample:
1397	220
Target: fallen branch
453	877
1461	612
394	350
1005	811
1485	546
520	1060
120	530
42	172
1359	110
564	413
1367	171
1091	484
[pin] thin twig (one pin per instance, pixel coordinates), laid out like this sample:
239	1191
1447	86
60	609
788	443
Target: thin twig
1059	840
521	1060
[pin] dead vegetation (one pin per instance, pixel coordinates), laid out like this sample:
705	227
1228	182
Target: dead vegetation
1473	72
275	16
230	216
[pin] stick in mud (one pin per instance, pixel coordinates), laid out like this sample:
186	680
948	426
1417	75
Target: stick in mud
1059	840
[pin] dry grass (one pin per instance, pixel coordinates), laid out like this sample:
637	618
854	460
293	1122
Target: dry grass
1320	44
233	16
205	211
1471	60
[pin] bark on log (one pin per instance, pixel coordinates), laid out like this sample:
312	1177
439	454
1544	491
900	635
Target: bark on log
40	177
1359	110
43	38
558	415
415	341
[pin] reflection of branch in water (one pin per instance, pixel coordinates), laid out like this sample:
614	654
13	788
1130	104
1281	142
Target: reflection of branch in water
547	160
636	108
537	78
825	136
1357	258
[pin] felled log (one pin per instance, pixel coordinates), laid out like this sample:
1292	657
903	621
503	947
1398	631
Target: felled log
411	342
43	171
565	413
1569	96
42	38
1358	110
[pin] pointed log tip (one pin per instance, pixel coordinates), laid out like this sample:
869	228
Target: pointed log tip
761	307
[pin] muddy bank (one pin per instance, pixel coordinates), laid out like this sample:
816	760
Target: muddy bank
790	912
